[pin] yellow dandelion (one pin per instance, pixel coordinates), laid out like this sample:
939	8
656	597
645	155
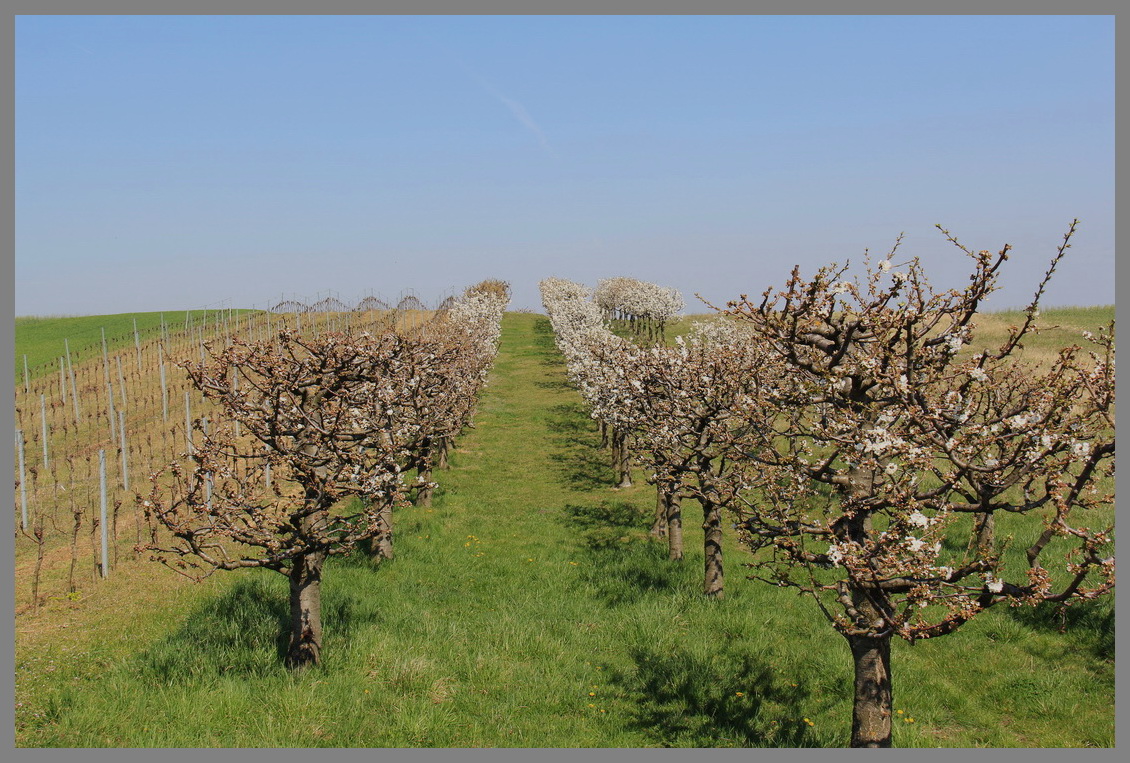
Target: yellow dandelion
592	693
899	712
739	694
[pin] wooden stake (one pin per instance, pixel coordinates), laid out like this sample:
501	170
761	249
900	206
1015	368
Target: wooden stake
23	480
102	486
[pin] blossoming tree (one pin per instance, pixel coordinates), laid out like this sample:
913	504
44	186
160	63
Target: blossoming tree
893	435
685	402
307	422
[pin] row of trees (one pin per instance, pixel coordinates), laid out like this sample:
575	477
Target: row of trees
641	308
319	439
864	445
123	396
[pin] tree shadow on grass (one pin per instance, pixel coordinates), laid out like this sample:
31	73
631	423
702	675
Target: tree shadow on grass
580	462
1088	623
728	700
624	564
607	523
555	384
244	632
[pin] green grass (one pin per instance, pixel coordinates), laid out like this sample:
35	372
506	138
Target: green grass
528	608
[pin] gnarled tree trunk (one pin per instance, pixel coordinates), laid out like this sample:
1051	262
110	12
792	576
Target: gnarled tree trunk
305	647
424	472
674	526
984	531
871	711
381	545
712	547
621	459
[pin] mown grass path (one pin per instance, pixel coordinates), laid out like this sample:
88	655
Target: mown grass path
528	608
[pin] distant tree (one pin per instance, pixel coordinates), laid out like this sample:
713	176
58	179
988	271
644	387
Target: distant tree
887	429
685	403
319	425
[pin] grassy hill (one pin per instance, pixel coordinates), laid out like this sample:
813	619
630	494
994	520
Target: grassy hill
528	608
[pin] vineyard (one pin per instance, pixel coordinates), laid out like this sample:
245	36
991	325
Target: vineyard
859	445
111	418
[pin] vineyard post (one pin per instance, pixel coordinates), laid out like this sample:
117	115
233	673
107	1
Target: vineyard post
137	343
188	424
110	410
235	386
102	489
125	453
164	388
121	382
62	381
71	371
43	421
23	480
105	357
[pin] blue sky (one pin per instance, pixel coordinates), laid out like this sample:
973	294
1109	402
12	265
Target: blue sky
168	162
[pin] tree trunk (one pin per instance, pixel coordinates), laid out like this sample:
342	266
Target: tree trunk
305	611
424	493
659	522
424	472
712	547
674	527
871	712
984	526
441	455
621	459
382	544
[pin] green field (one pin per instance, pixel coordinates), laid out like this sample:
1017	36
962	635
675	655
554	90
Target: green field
529	608
42	339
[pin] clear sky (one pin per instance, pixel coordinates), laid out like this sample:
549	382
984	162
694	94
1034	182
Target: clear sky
167	162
